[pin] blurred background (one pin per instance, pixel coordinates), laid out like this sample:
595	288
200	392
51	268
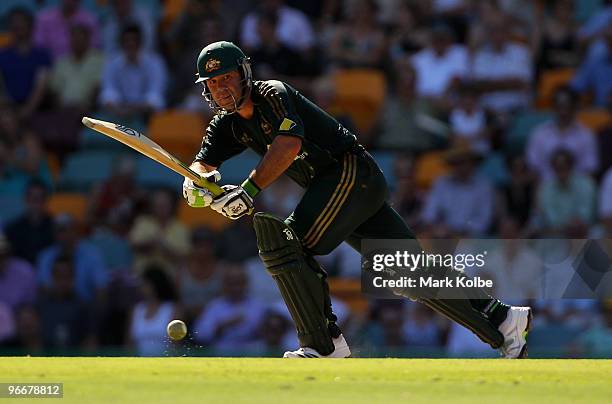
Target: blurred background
490	119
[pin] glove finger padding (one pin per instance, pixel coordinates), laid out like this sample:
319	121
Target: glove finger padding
196	196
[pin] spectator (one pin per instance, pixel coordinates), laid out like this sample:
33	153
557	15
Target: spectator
406	199
555	41
76	76
460	203
109	237
514	268
24	67
597	341
134	80
421	328
151	316
519	193
7	324
29	160
90	274
293	29
564	131
604	140
230	322
408	122
53	26
468	120
272	333
502	69
605	202
118	192
122	13
594	75
271	58
29	334
31	232
385	327
409	34
17	279
67	321
13	181
440	66
199	280
158	237
359	42
566	202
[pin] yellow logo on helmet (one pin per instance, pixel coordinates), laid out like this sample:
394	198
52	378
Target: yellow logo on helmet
212	64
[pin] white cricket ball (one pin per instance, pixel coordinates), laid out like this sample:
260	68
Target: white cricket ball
176	330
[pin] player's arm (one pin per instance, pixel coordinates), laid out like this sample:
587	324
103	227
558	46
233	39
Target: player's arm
277	159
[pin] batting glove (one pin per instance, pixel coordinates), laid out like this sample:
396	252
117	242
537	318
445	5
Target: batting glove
196	196
234	203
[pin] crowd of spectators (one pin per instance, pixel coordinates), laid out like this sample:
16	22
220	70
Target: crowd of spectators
461	74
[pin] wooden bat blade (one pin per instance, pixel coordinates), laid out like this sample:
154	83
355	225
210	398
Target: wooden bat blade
149	148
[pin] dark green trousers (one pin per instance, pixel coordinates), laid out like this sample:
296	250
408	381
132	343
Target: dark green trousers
347	203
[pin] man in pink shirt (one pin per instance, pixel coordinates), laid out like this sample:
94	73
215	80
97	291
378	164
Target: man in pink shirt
53	25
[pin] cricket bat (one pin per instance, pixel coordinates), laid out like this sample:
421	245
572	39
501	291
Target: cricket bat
149	148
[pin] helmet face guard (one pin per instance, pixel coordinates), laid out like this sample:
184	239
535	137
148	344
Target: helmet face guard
246	84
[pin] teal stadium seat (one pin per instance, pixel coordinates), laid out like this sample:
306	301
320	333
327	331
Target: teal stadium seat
521	128
237	169
83	169
151	174
10	207
385	161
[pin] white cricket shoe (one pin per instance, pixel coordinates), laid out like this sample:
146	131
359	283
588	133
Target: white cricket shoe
341	351
515	328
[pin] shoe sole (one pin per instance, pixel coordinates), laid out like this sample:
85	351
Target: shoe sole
523	354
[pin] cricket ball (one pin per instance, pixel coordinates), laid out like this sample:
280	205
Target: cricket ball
176	330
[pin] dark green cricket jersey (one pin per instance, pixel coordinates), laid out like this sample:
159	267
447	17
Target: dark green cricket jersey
279	110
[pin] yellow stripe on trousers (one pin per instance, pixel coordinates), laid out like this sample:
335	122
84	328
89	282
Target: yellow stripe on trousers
337	206
330	202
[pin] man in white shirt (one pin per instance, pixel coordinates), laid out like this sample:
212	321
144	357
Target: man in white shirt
440	65
502	71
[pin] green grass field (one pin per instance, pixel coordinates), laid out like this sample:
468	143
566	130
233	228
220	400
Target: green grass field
278	381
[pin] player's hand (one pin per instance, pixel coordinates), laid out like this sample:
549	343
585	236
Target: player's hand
198	197
234	203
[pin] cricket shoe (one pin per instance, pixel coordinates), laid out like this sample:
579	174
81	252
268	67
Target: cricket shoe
515	328
341	351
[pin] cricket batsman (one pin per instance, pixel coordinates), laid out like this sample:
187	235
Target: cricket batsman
345	200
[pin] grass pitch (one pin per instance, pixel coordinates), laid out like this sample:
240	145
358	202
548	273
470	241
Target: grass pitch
278	381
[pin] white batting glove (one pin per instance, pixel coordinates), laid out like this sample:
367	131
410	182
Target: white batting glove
196	196
234	203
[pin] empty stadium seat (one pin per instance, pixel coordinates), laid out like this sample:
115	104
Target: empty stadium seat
428	167
180	133
360	93
521	129
239	167
196	217
11	206
595	119
150	173
83	169
67	202
549	81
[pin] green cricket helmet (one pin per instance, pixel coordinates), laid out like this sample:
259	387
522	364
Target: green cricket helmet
219	58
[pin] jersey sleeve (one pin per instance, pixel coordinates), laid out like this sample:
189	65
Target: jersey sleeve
280	98
219	143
